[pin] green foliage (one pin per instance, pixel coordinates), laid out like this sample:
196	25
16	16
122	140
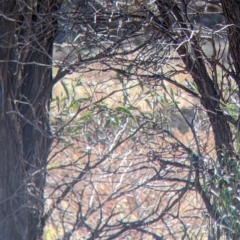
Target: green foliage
125	111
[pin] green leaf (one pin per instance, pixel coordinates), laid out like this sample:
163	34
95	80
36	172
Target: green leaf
171	92
125	111
125	99
76	129
158	99
79	83
141	85
65	89
165	98
148	92
132	107
53	167
86	116
74	105
191	85
83	99
129	69
58	103
103	106
148	103
119	77
122	110
116	120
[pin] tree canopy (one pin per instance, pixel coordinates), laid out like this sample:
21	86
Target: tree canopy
119	119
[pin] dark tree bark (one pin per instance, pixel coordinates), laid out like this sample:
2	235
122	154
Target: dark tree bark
210	97
231	11
27	31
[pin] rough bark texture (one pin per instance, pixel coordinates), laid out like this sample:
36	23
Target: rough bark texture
210	97
27	32
231	11
210	100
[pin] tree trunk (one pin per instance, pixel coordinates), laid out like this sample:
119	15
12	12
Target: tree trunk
27	33
231	12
